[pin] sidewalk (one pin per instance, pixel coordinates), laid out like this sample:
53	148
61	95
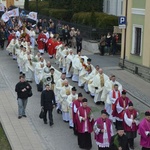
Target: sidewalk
19	132
135	86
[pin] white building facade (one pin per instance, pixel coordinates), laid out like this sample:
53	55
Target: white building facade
113	7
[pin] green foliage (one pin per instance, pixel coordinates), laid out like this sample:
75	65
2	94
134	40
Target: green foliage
44	11
87	5
41	5
26	4
62	14
74	5
4	144
95	19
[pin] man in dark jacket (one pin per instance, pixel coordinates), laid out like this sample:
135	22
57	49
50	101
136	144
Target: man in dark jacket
119	141
79	42
48	103
22	88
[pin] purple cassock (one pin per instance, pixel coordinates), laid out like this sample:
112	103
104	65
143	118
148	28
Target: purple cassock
144	129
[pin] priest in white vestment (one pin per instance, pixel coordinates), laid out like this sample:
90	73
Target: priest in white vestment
71	98
59	49
63	55
109	85
29	67
113	96
23	60
59	85
89	80
32	37
64	93
19	52
69	60
98	83
77	66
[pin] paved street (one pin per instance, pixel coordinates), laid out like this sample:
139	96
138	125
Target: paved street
60	137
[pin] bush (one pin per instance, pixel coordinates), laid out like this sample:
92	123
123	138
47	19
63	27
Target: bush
45	11
61	14
41	5
95	19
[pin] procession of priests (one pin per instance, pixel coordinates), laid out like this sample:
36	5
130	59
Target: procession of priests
118	112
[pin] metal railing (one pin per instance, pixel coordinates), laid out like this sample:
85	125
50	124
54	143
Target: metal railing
88	32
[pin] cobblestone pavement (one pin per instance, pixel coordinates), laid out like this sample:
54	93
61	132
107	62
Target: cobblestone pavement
60	137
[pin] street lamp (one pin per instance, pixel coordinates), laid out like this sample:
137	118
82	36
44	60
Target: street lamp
125	34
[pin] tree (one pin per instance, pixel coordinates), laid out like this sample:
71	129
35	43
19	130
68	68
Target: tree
26	4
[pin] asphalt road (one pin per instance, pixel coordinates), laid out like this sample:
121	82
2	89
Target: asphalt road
59	137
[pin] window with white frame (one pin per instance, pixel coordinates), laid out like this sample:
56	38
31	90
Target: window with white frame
137	40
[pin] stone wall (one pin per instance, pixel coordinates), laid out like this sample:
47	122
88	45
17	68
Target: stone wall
142	71
90	45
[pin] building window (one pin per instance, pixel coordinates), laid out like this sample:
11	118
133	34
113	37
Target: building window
137	40
108	6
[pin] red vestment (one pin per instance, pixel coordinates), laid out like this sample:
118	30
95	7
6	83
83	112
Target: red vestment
50	46
82	111
77	103
144	127
100	123
114	96
10	37
123	102
133	127
56	43
41	41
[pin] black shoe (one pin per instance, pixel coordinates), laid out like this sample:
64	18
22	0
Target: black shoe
19	117
102	103
97	103
66	121
81	87
59	111
92	96
70	127
45	122
51	124
20	72
24	116
88	92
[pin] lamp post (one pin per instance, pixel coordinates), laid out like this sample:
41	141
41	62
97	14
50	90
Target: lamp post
125	35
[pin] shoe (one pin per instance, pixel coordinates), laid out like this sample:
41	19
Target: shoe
45	122
24	116
131	147
59	111
51	124
97	103
88	92
92	96
70	127
19	117
66	121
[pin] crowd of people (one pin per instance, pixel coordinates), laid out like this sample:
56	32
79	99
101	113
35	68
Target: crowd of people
56	90
108	44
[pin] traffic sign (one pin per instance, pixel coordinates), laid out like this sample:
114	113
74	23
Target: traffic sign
122	22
